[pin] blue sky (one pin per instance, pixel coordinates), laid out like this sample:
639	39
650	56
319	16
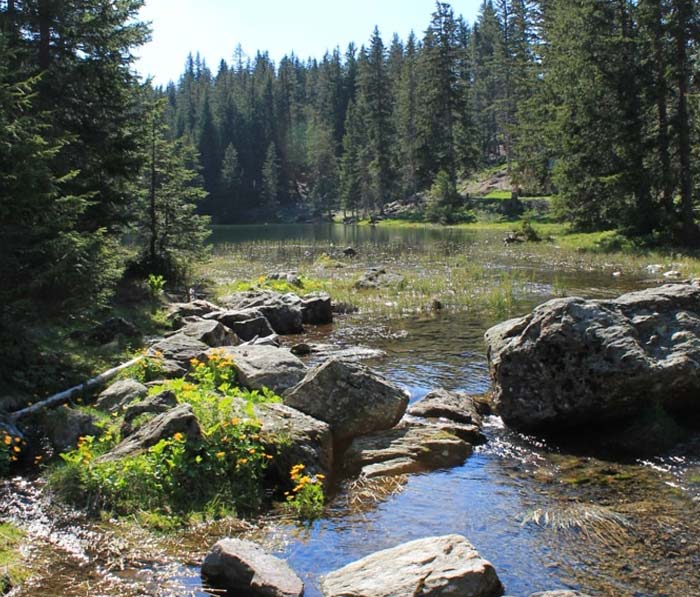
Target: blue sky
309	27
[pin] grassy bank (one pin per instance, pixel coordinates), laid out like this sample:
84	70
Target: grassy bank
12	569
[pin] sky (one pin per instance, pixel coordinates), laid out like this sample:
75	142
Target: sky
308	27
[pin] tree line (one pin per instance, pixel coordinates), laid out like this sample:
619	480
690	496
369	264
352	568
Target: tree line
594	100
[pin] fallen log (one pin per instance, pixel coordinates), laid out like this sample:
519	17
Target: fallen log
69	394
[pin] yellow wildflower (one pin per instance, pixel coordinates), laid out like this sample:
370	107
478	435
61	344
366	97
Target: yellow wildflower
178	437
242	460
319	476
17	449
194	361
220	455
8	440
235	421
251	450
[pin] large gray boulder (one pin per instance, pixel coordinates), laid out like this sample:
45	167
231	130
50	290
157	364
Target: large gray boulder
351	398
246	323
574	361
259	366
283	311
405	449
180	419
430	567
64	426
177	312
243	569
119	394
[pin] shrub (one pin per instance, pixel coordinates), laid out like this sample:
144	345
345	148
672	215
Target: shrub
306	497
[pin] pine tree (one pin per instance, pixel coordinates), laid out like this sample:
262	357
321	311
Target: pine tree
269	190
229	186
406	120
171	233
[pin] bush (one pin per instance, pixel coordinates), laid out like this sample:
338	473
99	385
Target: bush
306	498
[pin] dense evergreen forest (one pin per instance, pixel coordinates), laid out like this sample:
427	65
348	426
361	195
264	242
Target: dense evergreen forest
594	101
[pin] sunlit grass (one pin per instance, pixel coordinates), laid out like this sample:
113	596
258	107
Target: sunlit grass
12	570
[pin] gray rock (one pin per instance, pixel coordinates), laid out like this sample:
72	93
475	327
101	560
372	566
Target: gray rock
271	340
467	432
430	567
454	406
111	328
178	311
351	398
64	426
243	569
177	351
376	277
246	323
574	361
316	308
180	419
304	440
119	394
405	449
154	405
291	277
283	311
265	366
210	332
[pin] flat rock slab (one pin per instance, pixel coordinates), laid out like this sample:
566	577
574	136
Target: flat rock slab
177	351
259	366
405	449
574	361
453	406
430	567
471	434
243	569
351	398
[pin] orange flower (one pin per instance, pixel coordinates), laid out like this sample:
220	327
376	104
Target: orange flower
220	455
178	437
8	440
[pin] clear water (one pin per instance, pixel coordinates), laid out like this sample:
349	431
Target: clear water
491	498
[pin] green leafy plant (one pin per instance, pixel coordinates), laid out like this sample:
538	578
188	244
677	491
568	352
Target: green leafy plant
156	284
306	497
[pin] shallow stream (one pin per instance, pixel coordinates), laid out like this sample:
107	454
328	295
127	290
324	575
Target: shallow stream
544	517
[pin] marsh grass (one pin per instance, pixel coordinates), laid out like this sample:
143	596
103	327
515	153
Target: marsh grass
474	272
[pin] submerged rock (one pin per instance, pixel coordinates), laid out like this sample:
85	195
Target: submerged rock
351	398
574	361
259	366
243	569
119	394
430	567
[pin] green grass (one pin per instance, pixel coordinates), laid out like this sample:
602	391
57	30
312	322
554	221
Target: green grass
499	195
12	569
